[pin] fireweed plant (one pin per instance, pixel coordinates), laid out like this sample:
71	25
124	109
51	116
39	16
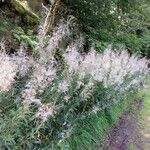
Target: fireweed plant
42	100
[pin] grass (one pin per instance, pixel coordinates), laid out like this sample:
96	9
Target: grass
92	131
19	131
131	146
144	117
145	112
87	135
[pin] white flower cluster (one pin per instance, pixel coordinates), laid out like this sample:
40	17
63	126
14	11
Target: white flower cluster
11	65
44	111
8	70
42	76
87	91
109	67
44	71
72	56
63	86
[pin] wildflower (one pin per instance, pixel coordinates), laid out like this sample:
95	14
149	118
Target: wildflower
8	71
66	98
42	76
45	111
72	57
10	66
95	109
63	87
87	91
58	35
109	67
44	71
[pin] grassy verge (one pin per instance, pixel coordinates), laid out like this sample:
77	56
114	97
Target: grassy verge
144	118
94	129
145	112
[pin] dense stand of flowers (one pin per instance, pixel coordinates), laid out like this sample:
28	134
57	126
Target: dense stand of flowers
11	65
109	68
88	82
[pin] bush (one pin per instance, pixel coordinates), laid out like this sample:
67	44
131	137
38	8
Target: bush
44	101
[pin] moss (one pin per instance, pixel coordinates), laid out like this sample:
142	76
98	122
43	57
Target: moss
30	16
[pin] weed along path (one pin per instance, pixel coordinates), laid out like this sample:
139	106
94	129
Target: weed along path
132	130
144	120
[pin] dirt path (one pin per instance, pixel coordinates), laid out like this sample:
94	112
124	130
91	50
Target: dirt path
126	135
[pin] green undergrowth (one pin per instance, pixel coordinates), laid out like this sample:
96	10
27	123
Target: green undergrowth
143	118
146	109
145	112
92	131
145	96
87	136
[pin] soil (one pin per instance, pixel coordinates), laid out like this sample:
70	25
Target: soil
126	132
